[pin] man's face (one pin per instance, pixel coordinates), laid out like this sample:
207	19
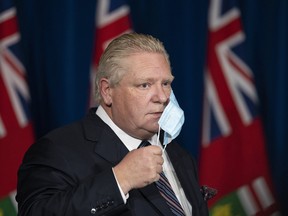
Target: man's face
138	101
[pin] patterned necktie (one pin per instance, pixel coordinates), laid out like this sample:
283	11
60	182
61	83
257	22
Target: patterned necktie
166	190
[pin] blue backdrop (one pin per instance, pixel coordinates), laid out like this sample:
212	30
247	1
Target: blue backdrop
57	40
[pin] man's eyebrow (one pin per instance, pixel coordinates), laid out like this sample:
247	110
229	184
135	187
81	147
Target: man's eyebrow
150	79
171	78
142	79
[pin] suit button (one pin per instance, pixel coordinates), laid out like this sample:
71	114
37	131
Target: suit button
110	202
93	211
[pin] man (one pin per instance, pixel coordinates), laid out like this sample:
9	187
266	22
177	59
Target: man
94	166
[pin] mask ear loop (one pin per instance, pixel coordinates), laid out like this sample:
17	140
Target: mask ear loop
158	136
165	145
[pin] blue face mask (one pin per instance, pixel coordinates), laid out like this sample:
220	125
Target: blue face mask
171	120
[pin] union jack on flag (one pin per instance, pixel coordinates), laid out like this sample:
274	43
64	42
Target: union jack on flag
112	19
233	157
16	133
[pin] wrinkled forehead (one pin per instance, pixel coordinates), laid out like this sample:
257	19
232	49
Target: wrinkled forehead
144	59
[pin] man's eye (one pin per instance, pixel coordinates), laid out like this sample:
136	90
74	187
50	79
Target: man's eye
166	83
144	85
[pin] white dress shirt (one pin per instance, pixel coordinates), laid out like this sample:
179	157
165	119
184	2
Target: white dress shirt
133	143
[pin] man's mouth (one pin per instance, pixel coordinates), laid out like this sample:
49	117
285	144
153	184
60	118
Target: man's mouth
156	114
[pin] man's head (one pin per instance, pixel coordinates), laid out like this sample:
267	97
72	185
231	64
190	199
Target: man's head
133	83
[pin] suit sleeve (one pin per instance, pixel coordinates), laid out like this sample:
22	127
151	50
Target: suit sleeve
48	185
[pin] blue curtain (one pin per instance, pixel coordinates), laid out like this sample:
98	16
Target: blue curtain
57	39
266	26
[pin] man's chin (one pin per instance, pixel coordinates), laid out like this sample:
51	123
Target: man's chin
149	133
154	131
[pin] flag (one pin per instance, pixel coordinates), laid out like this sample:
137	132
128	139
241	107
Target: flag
112	19
233	158
16	132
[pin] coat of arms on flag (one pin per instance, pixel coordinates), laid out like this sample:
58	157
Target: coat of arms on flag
233	157
16	133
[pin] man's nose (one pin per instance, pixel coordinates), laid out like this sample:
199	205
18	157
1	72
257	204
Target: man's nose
162	94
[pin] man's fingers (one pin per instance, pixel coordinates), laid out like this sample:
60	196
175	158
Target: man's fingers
159	169
156	150
159	160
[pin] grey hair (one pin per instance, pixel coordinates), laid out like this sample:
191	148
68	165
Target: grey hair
121	47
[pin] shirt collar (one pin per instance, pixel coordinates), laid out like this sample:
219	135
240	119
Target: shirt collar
129	141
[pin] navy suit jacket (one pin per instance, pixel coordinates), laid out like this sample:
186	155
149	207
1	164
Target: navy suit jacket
69	172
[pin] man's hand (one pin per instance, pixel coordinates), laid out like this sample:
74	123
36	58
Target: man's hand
139	168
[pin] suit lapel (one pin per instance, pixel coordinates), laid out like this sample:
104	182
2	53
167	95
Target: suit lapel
111	148
107	144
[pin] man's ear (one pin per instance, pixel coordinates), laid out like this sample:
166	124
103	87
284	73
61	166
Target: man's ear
105	91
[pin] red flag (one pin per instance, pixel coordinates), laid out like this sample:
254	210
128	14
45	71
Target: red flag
233	158
112	19
16	133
